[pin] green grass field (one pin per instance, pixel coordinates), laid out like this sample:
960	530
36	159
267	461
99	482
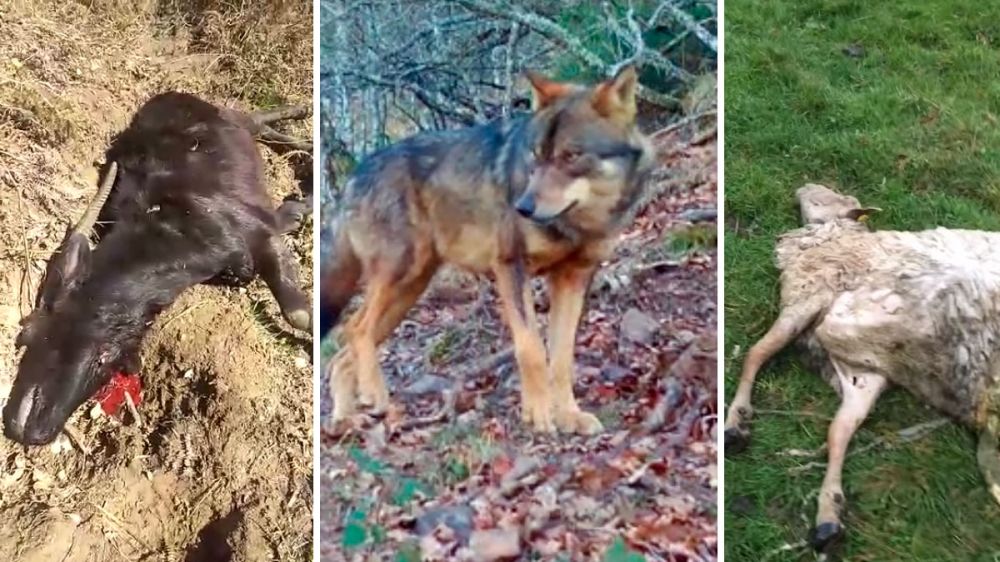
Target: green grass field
911	127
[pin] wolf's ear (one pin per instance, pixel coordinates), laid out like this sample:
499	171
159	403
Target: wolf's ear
615	98
545	91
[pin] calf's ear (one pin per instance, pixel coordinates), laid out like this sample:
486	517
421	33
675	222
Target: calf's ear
65	269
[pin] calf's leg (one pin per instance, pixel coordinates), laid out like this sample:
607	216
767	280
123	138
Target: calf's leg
792	321
279	271
859	392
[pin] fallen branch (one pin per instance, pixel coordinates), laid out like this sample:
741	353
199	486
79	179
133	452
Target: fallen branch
77	439
681	123
266	117
905	435
271	137
447	410
787	547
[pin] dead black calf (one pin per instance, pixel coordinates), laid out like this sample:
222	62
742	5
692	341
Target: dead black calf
182	202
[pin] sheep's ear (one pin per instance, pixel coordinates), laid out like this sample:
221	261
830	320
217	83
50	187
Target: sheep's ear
861	214
65	269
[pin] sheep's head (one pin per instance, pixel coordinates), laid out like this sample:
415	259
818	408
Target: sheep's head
820	204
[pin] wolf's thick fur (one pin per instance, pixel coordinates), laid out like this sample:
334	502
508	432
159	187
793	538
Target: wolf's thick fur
542	194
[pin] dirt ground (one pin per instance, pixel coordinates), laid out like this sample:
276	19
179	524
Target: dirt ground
219	463
477	486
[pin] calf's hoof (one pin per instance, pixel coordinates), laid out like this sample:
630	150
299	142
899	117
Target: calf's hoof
736	440
826	536
300	319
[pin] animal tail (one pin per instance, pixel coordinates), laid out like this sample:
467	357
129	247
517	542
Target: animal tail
339	276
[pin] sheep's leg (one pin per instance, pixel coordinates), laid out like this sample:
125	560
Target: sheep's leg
989	462
859	392
790	323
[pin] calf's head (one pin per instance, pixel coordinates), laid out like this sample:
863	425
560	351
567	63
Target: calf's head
68	355
587	155
820	204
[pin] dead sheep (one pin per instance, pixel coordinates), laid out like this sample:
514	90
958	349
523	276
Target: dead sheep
920	310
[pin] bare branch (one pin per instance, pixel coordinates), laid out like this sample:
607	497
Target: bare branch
686	20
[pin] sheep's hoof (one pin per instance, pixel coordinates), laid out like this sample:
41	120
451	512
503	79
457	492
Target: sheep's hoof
826	536
736	440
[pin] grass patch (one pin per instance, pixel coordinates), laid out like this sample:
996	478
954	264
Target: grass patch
911	127
695	238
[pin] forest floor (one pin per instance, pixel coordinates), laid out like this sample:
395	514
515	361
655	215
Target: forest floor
479	485
219	463
889	102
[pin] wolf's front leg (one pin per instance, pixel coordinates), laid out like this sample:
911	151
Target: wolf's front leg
568	287
343	384
519	310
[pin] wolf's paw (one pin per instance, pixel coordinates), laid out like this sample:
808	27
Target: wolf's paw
373	394
537	415
344	406
577	421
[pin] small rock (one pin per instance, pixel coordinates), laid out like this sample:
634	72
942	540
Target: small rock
613	372
638	327
427	384
699	215
673	392
587	372
468	418
684	337
301	362
495	544
855	51
456	517
60	444
42	480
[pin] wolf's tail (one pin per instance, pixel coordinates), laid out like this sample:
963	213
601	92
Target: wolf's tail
339	276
